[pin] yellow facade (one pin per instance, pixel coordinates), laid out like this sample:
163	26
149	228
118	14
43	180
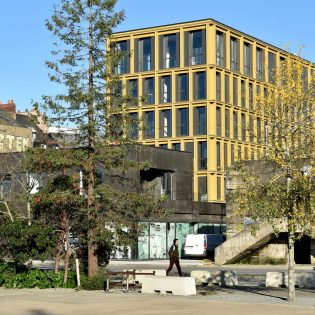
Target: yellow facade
229	94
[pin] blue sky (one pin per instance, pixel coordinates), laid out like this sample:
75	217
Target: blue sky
25	43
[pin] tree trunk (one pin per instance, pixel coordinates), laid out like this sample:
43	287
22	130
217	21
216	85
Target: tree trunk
58	251
291	277
67	257
92	246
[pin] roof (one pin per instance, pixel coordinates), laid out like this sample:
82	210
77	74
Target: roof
6	119
213	21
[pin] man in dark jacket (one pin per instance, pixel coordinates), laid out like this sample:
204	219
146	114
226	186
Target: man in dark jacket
174	255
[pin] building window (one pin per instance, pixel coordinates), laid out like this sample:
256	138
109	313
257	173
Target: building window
176	146
195	43
149	124
258	130
168	51
235	92
227	123
202	154
182	123
260	62
132	88
166	184
145	58
239	152
243	94
165	88
235	125
246	153
220	40
225	155
200	120
133	126
250	96
247	59
232	154
165	123
163	145
271	66
202	189
218	148
219	193
199	85
148	90
218	122
251	129
243	119
227	89
123	62
234	55
182	87
218	86
5	187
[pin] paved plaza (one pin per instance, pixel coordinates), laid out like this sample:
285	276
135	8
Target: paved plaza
66	301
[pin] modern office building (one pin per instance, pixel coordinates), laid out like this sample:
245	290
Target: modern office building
196	82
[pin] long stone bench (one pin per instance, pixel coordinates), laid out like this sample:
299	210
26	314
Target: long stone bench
224	278
138	278
172	285
276	279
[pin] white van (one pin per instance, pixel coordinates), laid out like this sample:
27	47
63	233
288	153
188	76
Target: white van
202	245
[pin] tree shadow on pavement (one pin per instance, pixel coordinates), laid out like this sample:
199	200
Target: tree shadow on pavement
39	312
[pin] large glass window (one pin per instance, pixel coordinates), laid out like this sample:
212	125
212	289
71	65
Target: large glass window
148	90
243	118
234	55
219	196
165	123
227	89
235	125
258	130
250	96
251	129
176	146
182	123
196	57
218	122
220	51
235	91
243	94
199	85
149	124
218	86
260	62
218	147
123	63
271	66
227	122
132	87
145	54
169	51
165	89
182	87
247	59
133	126
202	154
202	189
200	120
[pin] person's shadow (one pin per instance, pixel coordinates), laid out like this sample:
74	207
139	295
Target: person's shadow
39	312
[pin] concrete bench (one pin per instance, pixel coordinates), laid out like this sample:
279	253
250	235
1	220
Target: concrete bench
223	278
140	274
201	277
276	279
173	285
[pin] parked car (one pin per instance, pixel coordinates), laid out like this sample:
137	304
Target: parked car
202	245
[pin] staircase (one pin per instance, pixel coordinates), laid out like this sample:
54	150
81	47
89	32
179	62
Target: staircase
244	243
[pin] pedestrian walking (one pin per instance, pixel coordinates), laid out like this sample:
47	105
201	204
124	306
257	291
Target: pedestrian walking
174	258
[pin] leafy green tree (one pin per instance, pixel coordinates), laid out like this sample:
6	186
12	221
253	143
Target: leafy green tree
286	197
90	101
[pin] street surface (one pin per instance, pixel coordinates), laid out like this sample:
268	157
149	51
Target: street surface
67	301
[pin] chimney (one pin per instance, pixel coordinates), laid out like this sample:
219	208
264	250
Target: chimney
10	108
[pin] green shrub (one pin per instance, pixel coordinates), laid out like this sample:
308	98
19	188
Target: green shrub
95	282
12	276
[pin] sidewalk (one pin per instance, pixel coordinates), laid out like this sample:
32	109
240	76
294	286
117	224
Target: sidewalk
65	301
